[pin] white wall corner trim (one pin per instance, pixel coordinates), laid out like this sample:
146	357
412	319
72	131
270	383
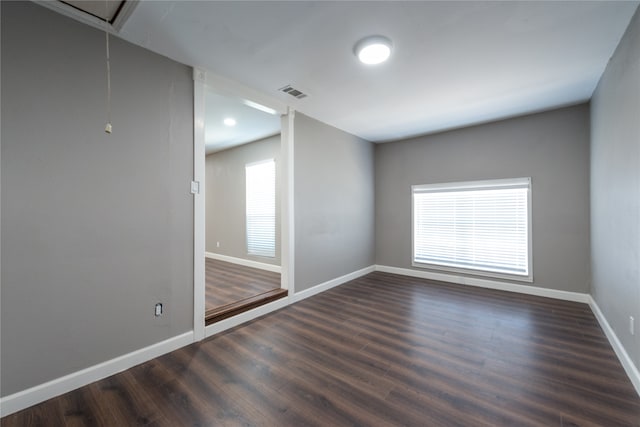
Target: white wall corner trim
245	262
199	220
623	356
489	284
34	395
299	296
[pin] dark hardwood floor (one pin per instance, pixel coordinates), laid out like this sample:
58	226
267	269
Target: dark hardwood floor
382	350
227	283
232	289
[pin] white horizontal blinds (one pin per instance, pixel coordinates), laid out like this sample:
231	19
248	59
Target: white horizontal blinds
479	225
261	208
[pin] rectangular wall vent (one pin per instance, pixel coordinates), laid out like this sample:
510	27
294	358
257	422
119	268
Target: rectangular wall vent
293	92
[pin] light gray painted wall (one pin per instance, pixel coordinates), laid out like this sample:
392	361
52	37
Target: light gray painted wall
226	198
552	148
615	190
333	190
95	229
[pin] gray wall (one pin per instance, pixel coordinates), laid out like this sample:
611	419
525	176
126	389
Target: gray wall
333	190
226	201
552	148
95	229
615	190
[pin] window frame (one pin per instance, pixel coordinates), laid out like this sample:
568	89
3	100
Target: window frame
493	184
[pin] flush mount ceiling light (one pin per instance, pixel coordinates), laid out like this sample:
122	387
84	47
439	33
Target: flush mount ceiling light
373	50
229	121
259	107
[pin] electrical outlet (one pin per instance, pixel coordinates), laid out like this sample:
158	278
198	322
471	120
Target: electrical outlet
158	311
217	244
631	325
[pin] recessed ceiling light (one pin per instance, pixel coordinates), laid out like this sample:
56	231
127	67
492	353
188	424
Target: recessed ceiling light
229	121
373	50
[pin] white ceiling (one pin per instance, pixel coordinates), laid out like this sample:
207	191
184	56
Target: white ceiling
454	63
251	124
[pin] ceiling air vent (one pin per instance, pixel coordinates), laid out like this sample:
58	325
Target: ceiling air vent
293	92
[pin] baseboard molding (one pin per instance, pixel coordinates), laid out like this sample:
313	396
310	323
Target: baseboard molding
245	262
628	365
489	284
34	395
298	296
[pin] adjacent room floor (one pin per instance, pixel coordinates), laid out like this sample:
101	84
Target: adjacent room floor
382	350
232	288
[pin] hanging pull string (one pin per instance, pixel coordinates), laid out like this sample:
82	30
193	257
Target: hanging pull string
107	128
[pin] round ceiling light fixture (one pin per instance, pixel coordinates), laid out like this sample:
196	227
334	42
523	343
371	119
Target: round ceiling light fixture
373	50
229	121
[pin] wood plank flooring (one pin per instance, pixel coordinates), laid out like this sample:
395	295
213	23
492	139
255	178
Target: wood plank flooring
382	350
227	284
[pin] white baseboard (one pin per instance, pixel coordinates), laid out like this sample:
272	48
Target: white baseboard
489	284
247	316
245	262
298	296
40	393
628	365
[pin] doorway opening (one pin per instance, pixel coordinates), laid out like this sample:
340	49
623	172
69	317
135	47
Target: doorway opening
242	189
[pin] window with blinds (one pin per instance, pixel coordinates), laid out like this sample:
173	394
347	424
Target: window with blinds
481	227
261	208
